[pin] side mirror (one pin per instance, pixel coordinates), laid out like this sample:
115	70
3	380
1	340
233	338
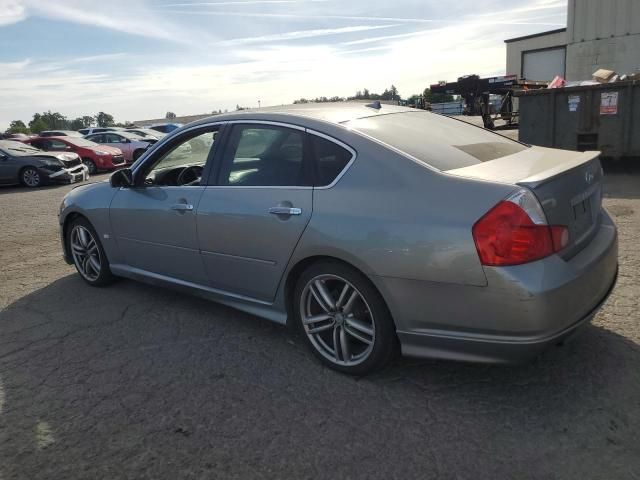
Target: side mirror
121	178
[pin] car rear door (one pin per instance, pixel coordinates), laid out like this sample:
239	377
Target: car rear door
154	223
250	221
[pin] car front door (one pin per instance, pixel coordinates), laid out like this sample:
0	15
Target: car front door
118	141
250	221
8	168
154	222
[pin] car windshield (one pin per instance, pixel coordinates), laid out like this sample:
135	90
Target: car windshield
435	140
18	148
81	142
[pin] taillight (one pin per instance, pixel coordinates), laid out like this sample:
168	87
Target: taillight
515	231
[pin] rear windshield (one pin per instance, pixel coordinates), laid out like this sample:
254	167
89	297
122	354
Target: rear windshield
441	142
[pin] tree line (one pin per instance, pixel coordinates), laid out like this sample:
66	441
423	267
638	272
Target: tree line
390	93
56	121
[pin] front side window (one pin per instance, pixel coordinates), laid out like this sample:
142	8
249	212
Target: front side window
265	156
183	162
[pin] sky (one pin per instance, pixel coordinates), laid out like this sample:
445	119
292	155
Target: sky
138	59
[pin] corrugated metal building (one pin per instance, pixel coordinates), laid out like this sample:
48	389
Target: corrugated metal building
599	34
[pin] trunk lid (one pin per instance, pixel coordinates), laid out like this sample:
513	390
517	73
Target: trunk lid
567	184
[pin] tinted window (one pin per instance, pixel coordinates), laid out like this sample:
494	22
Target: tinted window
57	145
112	138
441	142
96	138
265	156
330	158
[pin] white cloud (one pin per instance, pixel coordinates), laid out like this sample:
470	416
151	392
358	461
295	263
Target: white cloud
12	11
296	35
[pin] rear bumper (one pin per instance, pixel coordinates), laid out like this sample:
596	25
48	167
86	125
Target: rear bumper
490	349
522	309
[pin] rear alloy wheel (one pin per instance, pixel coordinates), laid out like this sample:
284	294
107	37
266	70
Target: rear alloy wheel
30	177
344	318
91	166
88	255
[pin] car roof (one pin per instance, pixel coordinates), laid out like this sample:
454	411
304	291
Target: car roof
336	113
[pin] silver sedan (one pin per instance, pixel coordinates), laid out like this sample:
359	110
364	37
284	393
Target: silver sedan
370	228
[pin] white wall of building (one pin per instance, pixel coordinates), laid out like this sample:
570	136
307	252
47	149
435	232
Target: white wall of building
534	47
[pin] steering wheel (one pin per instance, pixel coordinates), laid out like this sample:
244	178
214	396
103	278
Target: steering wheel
190	175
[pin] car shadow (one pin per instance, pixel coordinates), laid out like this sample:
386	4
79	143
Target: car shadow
133	380
11	189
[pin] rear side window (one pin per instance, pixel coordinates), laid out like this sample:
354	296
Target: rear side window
330	158
438	141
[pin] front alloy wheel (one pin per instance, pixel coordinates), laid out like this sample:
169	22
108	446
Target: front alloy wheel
87	253
344	318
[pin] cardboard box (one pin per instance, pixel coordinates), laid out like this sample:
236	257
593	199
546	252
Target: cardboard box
603	75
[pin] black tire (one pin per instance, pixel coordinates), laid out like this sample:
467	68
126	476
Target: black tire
137	154
384	345
91	166
30	177
104	277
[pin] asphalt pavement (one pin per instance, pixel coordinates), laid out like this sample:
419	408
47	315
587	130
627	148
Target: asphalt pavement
134	381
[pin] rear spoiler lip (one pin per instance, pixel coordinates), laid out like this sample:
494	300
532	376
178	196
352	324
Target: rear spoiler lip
540	178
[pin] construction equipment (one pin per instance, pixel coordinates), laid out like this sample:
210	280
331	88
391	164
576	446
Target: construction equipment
477	93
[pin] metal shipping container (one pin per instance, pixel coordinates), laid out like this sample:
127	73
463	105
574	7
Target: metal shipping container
595	117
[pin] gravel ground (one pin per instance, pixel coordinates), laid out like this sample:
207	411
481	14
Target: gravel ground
139	382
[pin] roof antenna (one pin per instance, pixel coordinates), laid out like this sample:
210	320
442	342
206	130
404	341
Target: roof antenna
375	104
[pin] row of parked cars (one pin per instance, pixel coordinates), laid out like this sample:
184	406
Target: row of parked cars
66	156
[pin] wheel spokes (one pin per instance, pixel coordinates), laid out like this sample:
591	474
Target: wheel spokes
348	307
358	336
321	328
344	345
317	318
322	296
359	325
336	342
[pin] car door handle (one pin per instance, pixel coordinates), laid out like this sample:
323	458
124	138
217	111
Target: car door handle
285	211
182	207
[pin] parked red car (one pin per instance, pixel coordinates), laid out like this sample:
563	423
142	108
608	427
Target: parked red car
95	157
